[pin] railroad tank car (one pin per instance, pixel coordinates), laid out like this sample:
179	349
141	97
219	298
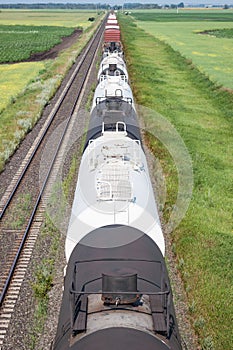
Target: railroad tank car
113	87
112	16
117	292
112	26
112	21
113	188
112	47
113	113
112	64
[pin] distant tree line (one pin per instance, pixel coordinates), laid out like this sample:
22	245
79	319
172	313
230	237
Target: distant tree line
130	6
90	6
55	6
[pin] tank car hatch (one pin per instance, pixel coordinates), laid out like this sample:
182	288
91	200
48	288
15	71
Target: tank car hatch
117	288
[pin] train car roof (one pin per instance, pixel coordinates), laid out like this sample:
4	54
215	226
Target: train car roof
109	112
113	87
117	248
106	250
112	26
116	242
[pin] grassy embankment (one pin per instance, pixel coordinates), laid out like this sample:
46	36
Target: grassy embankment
202	114
28	86
212	55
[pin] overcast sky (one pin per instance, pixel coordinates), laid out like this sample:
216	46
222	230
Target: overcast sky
120	2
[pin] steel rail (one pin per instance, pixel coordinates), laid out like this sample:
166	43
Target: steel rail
25	235
50	119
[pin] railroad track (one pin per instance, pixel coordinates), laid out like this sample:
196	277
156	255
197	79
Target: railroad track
17	243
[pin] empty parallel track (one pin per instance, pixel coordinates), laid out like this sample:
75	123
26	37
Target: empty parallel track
16	244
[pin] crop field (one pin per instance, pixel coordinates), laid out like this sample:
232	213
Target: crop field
25	32
17	43
26	86
173	87
211	52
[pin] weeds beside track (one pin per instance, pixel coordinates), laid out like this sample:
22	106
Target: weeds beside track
202	114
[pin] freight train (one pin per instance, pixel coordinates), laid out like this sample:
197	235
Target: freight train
117	293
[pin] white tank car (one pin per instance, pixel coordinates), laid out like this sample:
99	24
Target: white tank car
113	87
112	16
116	49
113	64
112	26
113	188
112	21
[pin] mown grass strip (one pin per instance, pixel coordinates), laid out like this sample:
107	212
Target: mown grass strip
202	114
212	55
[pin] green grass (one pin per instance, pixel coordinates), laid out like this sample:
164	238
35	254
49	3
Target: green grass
43	275
18	218
170	85
23	73
212	55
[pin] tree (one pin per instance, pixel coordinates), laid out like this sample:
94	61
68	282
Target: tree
181	5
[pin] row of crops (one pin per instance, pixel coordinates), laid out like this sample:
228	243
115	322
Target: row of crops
18	42
220	33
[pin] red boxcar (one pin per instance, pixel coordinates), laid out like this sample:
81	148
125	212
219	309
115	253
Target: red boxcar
112	34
